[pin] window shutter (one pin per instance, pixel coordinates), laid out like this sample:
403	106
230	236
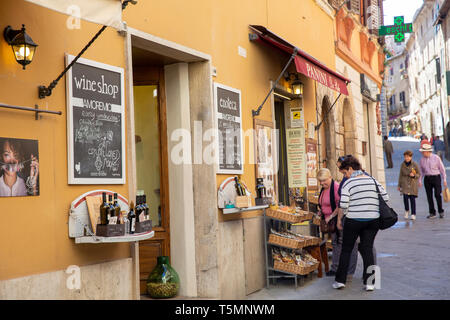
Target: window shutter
355	6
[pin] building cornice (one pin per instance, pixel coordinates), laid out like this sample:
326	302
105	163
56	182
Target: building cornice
343	52
326	7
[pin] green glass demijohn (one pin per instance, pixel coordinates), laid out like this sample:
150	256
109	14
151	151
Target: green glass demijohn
163	281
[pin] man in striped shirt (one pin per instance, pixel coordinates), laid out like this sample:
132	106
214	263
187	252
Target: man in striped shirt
360	205
433	172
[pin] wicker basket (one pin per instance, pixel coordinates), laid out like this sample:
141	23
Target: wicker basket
316	220
292	268
286	242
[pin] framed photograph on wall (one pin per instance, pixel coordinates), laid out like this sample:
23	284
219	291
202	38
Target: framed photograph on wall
19	167
228	111
95	123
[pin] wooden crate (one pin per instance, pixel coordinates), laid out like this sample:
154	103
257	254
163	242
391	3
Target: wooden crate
243	202
110	230
144	226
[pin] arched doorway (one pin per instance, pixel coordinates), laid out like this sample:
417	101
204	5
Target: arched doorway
328	137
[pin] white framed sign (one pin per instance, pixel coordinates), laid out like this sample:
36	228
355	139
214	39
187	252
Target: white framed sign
228	111
95	123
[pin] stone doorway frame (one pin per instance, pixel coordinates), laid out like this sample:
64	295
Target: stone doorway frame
188	85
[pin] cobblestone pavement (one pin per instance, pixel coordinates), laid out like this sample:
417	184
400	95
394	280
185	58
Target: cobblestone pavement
414	257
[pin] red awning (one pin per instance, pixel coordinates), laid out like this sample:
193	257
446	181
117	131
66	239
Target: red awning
304	63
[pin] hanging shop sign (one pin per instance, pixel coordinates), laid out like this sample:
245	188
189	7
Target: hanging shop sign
311	164
295	144
369	88
19	167
96	123
398	30
297	118
227	104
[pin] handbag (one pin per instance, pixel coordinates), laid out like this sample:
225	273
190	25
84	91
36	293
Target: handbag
446	195
388	217
329	227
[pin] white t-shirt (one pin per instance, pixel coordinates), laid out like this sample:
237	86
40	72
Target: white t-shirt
18	188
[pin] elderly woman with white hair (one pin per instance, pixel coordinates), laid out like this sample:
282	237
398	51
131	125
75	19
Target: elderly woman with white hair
329	205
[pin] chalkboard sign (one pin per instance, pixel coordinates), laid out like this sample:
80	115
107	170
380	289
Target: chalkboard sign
227	103
95	123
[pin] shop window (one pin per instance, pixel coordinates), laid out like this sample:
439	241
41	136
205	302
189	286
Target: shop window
148	165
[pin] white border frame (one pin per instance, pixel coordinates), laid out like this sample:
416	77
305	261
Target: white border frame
216	120
70	172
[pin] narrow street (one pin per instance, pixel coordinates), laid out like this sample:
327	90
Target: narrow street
413	256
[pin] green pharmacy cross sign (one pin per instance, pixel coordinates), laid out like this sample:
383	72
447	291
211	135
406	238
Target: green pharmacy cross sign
399	29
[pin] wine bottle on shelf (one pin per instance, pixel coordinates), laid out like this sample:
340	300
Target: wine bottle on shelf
132	218
126	222
238	186
139	208
104	210
111	210
146	208
116	208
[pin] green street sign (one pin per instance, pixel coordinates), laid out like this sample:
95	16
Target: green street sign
398	30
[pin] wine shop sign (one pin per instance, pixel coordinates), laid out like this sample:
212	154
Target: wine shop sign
95	123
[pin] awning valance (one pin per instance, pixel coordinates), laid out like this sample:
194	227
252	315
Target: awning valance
104	12
304	63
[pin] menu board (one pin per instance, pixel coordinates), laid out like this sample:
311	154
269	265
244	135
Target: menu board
311	164
295	143
227	104
96	128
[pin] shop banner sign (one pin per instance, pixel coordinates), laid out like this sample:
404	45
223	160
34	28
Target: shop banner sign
295	144
227	105
19	167
95	123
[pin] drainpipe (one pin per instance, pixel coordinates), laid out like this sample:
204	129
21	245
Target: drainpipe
443	23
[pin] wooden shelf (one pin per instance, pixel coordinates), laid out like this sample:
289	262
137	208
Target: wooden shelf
125	238
239	210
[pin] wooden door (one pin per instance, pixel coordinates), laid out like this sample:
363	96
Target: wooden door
152	162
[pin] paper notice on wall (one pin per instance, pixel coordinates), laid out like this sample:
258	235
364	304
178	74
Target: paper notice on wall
297	118
295	150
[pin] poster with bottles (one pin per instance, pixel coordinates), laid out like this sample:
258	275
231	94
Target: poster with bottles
95	123
265	137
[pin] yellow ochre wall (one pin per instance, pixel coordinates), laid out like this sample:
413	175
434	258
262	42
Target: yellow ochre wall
33	230
219	27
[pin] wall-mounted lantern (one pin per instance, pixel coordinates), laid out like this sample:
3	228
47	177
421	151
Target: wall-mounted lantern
21	44
295	83
297	87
